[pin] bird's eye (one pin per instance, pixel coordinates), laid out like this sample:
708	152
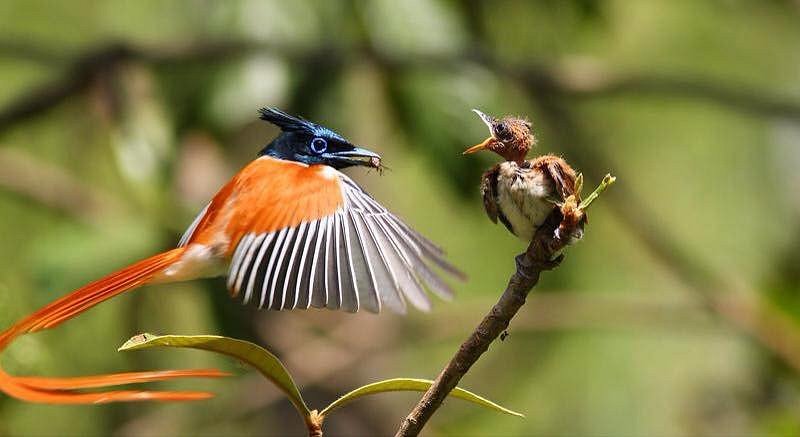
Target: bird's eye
319	145
501	130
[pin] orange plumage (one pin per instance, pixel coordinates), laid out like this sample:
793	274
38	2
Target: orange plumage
265	196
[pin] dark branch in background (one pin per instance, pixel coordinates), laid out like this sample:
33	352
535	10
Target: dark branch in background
586	82
51	187
548	87
725	297
530	264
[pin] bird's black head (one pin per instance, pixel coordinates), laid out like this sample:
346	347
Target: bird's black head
310	143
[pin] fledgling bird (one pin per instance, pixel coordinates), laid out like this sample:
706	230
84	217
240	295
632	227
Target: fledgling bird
290	231
521	193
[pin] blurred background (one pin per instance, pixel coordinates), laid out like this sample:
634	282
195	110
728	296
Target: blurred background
678	314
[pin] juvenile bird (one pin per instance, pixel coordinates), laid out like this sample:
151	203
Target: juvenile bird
290	231
521	193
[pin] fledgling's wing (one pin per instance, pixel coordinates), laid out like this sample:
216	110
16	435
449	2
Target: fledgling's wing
562	175
301	236
489	192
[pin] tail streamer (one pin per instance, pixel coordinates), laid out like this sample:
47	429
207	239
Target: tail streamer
63	390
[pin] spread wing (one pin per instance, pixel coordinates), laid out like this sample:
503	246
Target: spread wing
305	236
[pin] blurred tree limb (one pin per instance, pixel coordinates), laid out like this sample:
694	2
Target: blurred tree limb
547	86
587	79
51	187
731	299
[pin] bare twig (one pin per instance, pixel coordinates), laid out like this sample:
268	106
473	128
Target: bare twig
537	258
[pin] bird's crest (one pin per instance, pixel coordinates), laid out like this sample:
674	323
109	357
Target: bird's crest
287	122
292	123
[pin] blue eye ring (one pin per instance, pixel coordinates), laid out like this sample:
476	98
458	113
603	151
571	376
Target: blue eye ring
318	145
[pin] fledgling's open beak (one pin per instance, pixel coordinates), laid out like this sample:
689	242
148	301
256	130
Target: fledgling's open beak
355	156
487	142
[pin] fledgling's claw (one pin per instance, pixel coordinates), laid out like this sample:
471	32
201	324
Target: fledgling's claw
548	265
524	267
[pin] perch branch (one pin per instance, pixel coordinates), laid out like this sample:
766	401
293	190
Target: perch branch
537	258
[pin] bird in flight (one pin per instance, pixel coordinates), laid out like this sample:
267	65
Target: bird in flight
521	193
290	231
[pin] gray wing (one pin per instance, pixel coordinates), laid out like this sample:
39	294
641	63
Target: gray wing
360	257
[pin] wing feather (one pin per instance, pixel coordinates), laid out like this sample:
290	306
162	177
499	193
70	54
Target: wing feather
304	271
279	270
236	262
326	244
192	227
348	287
318	289
333	298
255	278
291	282
247	263
271	268
489	192
363	252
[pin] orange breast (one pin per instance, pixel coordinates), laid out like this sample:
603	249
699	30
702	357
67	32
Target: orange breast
267	195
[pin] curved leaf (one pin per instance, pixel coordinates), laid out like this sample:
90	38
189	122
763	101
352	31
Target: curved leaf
258	357
411	384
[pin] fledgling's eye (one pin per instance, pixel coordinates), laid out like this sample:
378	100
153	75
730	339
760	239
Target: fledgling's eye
319	145
501	131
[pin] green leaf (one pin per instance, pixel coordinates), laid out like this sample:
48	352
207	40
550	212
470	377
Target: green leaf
411	384
265	362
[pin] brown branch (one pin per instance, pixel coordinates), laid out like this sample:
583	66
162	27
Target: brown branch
587	80
537	258
51	187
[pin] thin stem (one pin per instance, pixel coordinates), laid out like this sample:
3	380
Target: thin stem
537	258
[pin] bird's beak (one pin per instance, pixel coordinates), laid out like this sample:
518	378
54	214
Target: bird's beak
487	142
356	156
482	146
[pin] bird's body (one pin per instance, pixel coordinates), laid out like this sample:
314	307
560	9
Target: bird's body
520	196
518	192
290	231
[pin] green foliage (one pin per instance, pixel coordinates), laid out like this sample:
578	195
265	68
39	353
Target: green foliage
412	384
615	343
274	370
261	359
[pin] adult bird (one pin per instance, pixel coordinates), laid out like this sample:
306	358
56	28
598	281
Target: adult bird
290	231
521	193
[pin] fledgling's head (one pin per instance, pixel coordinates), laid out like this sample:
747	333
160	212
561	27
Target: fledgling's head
310	143
509	137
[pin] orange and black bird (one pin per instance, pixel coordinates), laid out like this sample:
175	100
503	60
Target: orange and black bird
290	231
521	193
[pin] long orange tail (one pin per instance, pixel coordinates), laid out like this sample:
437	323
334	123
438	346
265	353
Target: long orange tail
63	390
91	294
